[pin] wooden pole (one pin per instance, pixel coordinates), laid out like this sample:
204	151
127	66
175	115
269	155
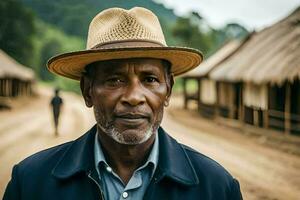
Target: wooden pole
240	103
266	111
287	109
1	87
6	87
27	88
231	97
255	117
217	106
10	87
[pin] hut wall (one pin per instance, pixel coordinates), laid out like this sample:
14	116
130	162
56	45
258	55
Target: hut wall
208	98
191	91
255	99
2	87
255	96
224	98
295	107
229	100
208	93
276	106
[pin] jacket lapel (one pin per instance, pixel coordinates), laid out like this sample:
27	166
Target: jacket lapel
174	162
78	158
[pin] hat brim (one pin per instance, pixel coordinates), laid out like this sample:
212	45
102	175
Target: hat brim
71	65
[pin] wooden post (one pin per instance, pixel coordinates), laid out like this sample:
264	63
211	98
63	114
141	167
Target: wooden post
255	117
240	106
27	88
6	88
231	106
266	118
266	111
1	87
9	81
217	106
287	109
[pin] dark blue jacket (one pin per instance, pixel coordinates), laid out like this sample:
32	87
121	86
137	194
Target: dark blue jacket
67	172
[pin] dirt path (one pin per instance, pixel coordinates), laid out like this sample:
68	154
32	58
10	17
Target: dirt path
264	173
28	129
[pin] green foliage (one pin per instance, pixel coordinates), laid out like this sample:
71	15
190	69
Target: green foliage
189	34
16	30
62	26
234	30
49	42
67	84
193	31
50	48
74	16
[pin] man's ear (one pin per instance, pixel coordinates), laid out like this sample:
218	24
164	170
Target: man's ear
85	86
170	86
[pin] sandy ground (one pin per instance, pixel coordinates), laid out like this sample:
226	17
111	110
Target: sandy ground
264	173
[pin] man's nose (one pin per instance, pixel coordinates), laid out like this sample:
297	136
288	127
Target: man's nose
134	94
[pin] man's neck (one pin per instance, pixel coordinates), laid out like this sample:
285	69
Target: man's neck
125	159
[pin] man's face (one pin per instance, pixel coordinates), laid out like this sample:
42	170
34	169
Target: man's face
128	98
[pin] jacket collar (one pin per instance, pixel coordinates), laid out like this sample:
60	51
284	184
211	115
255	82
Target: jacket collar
174	163
78	158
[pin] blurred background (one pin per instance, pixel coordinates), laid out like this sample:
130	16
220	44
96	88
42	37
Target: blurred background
241	106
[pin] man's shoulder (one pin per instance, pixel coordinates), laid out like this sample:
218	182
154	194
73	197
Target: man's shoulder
45	159
206	166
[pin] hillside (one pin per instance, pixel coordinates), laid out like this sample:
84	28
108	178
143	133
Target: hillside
62	26
73	16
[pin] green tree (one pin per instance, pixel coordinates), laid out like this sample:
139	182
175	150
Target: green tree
16	30
50	48
190	34
234	30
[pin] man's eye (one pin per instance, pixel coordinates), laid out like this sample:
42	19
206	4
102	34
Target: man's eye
151	79
114	81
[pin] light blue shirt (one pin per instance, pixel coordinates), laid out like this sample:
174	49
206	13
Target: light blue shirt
111	184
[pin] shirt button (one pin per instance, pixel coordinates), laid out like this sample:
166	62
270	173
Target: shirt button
108	169
124	195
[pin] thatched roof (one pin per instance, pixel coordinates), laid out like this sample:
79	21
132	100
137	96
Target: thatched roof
269	56
215	59
9	68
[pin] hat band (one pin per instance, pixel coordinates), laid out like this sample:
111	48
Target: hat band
128	43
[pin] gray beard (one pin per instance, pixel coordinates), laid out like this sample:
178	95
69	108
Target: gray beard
120	138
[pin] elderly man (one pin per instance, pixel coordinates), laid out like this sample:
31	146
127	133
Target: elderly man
126	75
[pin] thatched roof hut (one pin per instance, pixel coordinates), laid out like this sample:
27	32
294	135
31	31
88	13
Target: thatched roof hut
9	68
223	53
269	56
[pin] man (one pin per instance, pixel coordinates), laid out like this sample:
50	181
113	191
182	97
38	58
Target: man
56	103
126	75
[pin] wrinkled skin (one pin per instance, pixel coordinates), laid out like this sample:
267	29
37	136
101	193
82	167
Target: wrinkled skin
128	97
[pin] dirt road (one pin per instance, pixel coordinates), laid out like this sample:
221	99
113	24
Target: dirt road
264	173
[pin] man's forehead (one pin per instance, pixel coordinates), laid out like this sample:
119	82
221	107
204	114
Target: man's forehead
122	65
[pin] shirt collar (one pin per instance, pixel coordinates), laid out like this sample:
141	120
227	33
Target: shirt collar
75	159
153	156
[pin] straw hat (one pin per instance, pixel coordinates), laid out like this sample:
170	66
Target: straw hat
117	33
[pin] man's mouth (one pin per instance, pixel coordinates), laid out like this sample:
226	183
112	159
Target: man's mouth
132	118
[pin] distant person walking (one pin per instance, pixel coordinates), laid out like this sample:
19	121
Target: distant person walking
56	104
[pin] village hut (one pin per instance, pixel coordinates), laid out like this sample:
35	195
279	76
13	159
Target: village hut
268	66
198	87
15	79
